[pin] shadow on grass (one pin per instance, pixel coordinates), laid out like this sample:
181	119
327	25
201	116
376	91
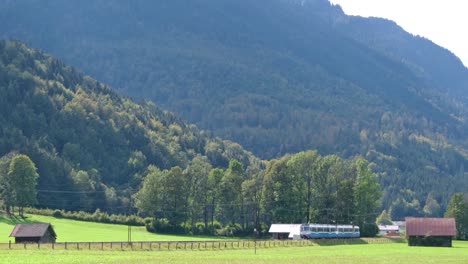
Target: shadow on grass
358	241
15	219
334	242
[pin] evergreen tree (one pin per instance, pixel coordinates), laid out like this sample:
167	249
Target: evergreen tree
458	209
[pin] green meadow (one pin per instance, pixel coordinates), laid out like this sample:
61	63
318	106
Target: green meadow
80	231
344	254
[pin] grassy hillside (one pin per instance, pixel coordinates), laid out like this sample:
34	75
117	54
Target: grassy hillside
356	254
79	231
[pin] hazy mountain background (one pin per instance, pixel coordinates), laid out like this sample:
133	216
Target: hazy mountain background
276	76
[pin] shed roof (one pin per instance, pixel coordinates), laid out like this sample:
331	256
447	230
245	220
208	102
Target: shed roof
31	230
430	227
291	229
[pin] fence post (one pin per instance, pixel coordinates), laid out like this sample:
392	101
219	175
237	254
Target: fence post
65	245
78	246
9	244
24	245
141	245
159	246
111	245
89	245
53	245
185	245
102	245
38	245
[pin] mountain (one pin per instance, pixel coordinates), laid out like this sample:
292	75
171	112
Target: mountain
86	139
278	77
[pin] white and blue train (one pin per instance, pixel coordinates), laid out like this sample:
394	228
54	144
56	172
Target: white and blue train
314	231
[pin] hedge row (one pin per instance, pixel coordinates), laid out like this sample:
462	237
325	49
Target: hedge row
97	216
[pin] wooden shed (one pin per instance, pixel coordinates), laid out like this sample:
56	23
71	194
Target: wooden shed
435	232
285	231
34	233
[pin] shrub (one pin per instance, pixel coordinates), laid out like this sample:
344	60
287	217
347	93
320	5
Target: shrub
97	216
57	214
199	228
230	230
369	230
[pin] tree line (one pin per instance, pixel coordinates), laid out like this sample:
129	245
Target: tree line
300	188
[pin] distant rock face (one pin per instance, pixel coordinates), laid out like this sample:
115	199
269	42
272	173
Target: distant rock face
279	77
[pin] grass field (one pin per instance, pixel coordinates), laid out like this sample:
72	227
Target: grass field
80	231
349	254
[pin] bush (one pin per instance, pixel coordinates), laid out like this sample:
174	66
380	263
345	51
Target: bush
57	214
163	226
369	230
230	230
199	228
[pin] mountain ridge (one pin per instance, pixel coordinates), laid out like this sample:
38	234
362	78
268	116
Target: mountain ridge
277	78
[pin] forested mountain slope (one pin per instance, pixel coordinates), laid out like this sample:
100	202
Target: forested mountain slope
87	140
277	76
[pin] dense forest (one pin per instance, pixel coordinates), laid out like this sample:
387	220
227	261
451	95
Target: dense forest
90	145
88	148
277	77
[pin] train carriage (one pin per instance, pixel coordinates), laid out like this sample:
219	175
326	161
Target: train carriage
315	231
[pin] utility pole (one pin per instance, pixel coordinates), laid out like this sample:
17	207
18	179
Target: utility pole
129	234
129	226
255	241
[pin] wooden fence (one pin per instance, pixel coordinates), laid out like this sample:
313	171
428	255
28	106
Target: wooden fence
191	245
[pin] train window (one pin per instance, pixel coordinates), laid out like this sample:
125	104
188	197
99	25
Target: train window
306	228
314	229
333	229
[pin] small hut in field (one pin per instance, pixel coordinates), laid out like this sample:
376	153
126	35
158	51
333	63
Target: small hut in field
34	233
432	232
285	231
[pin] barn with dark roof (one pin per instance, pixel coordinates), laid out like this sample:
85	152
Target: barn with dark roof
437	232
34	233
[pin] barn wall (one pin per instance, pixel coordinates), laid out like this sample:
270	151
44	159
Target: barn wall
27	239
430	241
